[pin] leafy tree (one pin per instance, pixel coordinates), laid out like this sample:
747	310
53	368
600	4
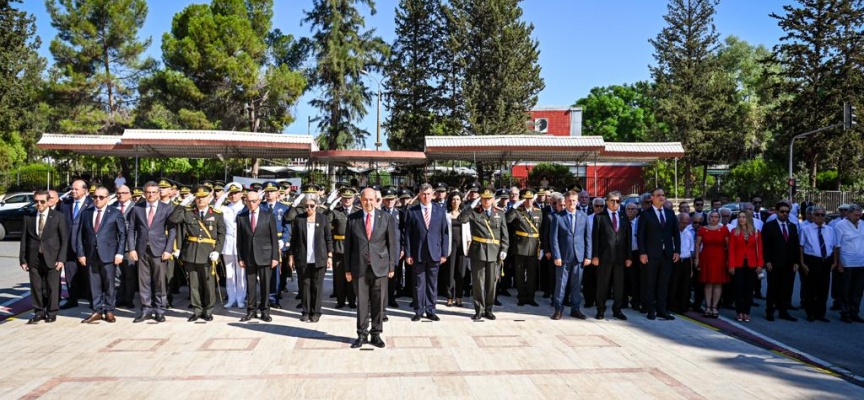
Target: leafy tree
757	177
225	69
618	113
343	52
20	82
559	176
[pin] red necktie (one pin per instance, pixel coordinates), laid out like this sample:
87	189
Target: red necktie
122	208
98	220
252	219
150	216
369	226
426	216
615	221
785	232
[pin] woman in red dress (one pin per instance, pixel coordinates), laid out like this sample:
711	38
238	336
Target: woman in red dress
711	243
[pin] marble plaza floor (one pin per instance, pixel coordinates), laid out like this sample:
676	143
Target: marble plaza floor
522	355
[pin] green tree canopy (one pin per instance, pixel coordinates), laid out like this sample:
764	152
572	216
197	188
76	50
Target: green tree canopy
618	113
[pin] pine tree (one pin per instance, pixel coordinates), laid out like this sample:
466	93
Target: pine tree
343	52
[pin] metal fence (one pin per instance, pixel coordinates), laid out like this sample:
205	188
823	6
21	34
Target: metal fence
830	199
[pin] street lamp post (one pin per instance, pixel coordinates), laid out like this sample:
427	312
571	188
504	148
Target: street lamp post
378	128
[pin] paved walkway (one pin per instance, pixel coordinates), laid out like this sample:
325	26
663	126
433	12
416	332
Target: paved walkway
522	355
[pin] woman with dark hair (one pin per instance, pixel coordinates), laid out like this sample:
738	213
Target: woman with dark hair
457	259
745	263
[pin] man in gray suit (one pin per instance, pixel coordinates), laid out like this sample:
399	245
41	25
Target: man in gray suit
150	240
371	253
571	251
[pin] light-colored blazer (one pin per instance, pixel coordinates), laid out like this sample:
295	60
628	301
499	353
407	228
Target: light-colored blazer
466	235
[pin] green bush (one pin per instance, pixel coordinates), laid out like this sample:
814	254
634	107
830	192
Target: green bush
29	177
559	176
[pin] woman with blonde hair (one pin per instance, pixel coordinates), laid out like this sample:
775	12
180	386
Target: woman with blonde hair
745	263
711	253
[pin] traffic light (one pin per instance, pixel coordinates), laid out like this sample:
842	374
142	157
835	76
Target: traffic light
850	120
791	187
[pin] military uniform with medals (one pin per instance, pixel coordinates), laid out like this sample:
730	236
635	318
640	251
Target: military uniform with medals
489	240
338	226
525	225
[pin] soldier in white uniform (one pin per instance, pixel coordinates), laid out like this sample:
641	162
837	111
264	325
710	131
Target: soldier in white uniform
235	277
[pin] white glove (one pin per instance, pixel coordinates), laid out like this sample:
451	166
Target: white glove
540	256
176	253
298	200
333	196
186	201
214	256
281	244
65	195
220	200
518	203
475	203
502	255
334	203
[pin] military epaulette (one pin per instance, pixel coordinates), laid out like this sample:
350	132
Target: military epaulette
215	210
285	203
175	203
190	207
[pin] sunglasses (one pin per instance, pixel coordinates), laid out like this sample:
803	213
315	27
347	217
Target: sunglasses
818	215
598	206
308	206
616	201
782	211
124	193
41	201
95	197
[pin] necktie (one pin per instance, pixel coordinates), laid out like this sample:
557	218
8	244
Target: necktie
785	232
425	217
573	223
252	220
615	221
150	216
822	247
122	208
369	225
201	214
99	220
41	224
75	211
662	219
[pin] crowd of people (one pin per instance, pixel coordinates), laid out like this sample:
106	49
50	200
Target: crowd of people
382	243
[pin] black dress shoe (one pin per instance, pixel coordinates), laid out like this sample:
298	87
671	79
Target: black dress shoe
533	303
823	319
385	319
340	306
769	317
415	318
497	303
392	304
298	297
51	318
376	341
142	318
476	316
41	317
600	314
304	318
854	318
207	317
489	315
433	317
69	304
276	305
159	318
352	306
361	340
619	315
266	318
193	318
248	317
652	315
577	314
843	318
666	316
504	293
332	296
520	303
787	317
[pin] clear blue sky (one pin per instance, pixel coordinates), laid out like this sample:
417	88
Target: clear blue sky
583	43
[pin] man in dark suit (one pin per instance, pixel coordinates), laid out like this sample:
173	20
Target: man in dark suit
101	246
76	274
426	247
659	243
258	252
151	240
371	253
42	252
780	244
611	254
128	274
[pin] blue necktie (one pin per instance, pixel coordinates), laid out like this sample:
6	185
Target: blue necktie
75	211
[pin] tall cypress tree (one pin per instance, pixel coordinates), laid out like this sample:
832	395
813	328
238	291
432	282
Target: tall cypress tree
342	51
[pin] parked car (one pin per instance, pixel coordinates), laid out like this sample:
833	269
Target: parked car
630	198
734	207
12	220
13	201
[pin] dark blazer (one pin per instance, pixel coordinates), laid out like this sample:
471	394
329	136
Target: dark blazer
609	246
381	251
420	242
778	251
159	236
262	246
54	240
653	239
570	245
399	215
127	215
545	239
67	207
105	244
323	240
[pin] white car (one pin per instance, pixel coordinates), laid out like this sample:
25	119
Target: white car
14	201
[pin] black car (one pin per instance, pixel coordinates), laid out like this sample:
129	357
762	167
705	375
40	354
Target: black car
12	221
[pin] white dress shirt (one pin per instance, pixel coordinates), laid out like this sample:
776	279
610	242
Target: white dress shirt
687	243
310	242
850	243
809	238
633	225
44	216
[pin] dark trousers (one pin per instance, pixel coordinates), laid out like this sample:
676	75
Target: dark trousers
508	270
313	288
128	282
633	276
526	272
655	283
344	290
836	287
781	282
742	282
698	289
456	270
679	286
610	274
44	287
202	288
818	284
172	279
152	284
589	285
851	289
258	278
284	273
102	285
273	284
425	286
547	276
77	281
371	292
395	286
804	290
408	286
484	277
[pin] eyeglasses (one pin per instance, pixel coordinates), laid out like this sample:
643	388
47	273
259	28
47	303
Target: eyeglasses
119	193
152	192
818	215
782	211
254	201
95	197
41	201
699	204
308	206
616	201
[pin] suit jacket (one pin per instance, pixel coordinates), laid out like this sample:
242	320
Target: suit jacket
54	240
67	207
653	239
426	244
108	242
323	240
751	249
570	245
159	236
399	217
611	247
779	251
545	239
380	251
279	211
262	246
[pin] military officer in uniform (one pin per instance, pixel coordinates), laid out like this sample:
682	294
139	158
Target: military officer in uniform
489	243
338	224
388	205
525	221
203	237
279	211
